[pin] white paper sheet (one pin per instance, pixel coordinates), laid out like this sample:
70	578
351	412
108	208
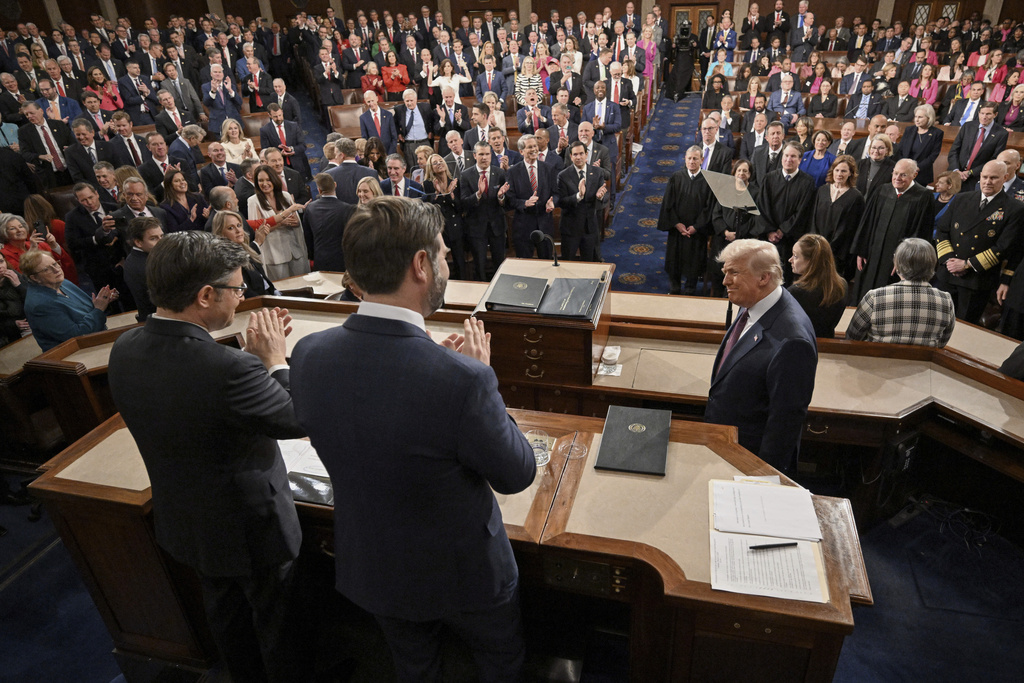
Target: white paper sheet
790	573
765	510
300	457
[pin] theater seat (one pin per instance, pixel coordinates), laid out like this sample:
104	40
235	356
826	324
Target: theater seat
344	119
251	124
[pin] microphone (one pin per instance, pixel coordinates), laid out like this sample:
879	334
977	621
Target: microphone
538	237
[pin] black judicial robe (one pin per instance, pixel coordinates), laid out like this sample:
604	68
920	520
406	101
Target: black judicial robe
785	205
887	222
687	201
724	219
837	222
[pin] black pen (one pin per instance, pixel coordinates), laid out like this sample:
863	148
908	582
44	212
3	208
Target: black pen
773	545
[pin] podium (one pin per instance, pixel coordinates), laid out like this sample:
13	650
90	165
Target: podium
530	347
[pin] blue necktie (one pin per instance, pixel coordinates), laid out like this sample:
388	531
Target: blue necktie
968	111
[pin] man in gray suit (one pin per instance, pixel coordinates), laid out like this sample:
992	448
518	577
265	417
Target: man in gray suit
206	418
348	173
185	97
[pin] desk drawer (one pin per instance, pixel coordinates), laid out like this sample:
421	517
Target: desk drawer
527	353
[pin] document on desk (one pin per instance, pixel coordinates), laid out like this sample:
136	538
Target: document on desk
300	457
764	510
793	573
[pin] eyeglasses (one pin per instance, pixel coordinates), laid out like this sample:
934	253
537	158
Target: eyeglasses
52	268
239	290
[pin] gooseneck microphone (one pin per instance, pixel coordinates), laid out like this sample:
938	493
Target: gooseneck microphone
538	237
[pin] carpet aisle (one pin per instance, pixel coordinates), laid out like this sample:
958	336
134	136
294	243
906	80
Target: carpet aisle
633	242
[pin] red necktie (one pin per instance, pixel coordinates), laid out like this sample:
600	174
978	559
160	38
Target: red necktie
60	89
734	336
99	120
977	146
135	154
489	80
277	44
52	148
615	92
256	89
561	133
397	193
113	192
376	122
177	120
533	179
280	133
485	182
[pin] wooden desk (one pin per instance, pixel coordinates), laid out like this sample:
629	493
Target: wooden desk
636	540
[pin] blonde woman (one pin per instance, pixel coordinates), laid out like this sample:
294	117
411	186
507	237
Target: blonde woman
423	153
238	147
528	79
497	116
546	64
367	189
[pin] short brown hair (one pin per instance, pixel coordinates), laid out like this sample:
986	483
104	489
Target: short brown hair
384	235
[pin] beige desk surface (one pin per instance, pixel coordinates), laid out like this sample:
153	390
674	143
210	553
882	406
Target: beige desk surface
114	462
304	323
848	383
669	513
14	356
323	284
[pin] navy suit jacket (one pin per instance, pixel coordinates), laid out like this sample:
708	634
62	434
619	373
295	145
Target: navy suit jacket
293	137
323	226
221	501
499	86
764	387
536	217
612	120
347	176
417	530
413	190
388	132
179	152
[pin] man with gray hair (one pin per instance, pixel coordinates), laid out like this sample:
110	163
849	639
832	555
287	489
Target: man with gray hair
894	212
763	375
910	311
459	158
348	172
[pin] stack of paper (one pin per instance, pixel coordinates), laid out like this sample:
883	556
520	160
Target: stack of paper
300	457
746	514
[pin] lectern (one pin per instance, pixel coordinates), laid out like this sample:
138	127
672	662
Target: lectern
531	347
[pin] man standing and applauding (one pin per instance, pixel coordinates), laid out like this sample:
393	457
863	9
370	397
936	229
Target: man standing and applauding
419	538
206	417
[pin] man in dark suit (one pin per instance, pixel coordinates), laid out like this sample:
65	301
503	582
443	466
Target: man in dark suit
89	150
347	173
450	116
768	157
976	143
291	180
93	238
382	357
396	184
459	158
753	139
532	116
136	204
414	123
900	107
864	104
42	142
491	79
581	191
143	234
323	226
966	109
153	169
293	144
562	132
354	59
183	152
107	186
482	189
129	149
973	237
552	159
139	96
287	101
714	155
377	122
218	172
221	501
763	375
259	86
170	121
532	188
327	75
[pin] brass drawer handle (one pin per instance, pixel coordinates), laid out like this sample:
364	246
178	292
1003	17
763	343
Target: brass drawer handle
812	431
533	354
526	336
531	370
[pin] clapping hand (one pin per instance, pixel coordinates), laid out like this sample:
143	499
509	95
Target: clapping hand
265	335
475	343
502	190
550	206
532	201
602	191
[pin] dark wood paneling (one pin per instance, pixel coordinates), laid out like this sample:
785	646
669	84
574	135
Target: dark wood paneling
11	14
248	9
284	8
500	9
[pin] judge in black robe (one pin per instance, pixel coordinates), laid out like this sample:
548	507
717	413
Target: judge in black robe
687	203
785	206
837	222
886	222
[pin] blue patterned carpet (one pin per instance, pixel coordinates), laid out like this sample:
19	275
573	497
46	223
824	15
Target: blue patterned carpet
634	243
